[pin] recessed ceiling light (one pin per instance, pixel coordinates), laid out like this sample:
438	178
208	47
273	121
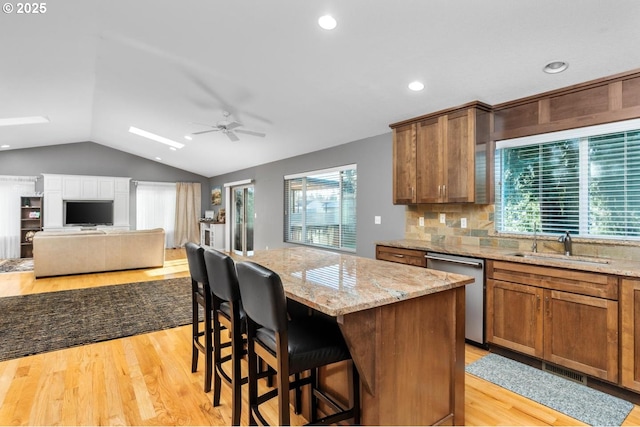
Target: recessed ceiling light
173	148
158	158
416	86
327	22
5	146
555	67
188	137
24	120
155	137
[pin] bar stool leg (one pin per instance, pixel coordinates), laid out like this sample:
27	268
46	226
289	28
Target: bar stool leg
194	335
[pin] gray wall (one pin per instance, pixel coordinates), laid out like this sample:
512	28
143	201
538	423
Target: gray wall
373	157
88	158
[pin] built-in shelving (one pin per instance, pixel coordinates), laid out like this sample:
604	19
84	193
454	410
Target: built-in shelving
30	223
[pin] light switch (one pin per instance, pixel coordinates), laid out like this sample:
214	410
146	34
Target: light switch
463	222
421	221
377	219
443	218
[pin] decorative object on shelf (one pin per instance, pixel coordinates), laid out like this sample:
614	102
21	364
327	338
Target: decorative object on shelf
216	196
27	202
34	215
209	215
221	215
28	236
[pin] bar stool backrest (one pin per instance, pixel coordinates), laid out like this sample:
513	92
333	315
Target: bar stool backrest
263	296
222	275
195	259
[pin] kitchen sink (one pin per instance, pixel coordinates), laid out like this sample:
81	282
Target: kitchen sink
562	258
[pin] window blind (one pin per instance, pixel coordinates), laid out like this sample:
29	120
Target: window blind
588	185
320	208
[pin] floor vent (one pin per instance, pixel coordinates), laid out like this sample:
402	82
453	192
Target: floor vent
564	373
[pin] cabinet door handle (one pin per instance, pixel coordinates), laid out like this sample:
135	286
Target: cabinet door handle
547	305
444	190
538	300
398	255
439	190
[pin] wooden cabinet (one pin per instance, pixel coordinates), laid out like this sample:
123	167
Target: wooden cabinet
568	318
514	317
443	157
630	333
30	223
400	255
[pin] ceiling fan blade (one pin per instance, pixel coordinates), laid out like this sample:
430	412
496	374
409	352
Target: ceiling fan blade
250	132
233	125
232	136
205	131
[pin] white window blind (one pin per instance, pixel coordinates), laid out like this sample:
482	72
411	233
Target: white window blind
588	185
320	208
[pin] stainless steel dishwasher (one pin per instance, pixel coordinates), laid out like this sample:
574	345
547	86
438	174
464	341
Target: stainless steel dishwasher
474	313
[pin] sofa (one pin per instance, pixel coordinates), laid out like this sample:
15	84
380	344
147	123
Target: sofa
89	251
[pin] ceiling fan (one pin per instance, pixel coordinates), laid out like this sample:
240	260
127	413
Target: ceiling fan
228	127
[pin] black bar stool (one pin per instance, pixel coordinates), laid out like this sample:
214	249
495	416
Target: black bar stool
290	346
200	297
227	314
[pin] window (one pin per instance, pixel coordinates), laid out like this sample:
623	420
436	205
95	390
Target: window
320	208
156	208
586	181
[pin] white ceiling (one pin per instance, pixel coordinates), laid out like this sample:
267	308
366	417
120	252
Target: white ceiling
96	67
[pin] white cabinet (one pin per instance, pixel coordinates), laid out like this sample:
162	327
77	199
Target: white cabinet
77	187
58	188
53	198
212	235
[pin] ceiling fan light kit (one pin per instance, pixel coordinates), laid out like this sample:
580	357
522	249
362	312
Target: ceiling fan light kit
229	128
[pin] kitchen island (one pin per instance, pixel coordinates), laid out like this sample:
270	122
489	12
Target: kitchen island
404	327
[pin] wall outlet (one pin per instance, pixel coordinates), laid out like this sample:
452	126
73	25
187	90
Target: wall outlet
421	221
377	219
443	218
463	222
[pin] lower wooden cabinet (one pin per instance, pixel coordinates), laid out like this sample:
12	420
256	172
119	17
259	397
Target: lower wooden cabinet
401	255
630	333
579	332
514	317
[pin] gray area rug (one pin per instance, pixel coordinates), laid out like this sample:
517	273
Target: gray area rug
19	264
575	400
32	324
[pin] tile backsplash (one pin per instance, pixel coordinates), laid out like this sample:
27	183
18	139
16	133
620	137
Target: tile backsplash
480	231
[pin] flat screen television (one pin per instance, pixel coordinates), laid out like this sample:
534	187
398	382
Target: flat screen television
88	212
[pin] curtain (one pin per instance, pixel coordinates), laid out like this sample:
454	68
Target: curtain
11	188
156	208
188	210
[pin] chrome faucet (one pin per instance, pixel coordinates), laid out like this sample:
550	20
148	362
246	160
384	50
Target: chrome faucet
566	239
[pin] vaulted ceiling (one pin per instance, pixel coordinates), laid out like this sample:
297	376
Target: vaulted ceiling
97	67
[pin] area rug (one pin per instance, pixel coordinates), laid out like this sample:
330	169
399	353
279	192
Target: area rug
37	323
573	399
13	265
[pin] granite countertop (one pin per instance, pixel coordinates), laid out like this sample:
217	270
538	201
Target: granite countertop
597	265
337	284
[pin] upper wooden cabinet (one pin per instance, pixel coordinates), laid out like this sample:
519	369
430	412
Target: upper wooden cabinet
444	157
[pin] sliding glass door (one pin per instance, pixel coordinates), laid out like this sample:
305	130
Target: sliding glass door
242	220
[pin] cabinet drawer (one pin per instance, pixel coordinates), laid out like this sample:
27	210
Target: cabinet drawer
403	256
579	282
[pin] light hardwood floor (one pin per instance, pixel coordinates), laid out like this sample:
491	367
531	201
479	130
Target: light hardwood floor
147	379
